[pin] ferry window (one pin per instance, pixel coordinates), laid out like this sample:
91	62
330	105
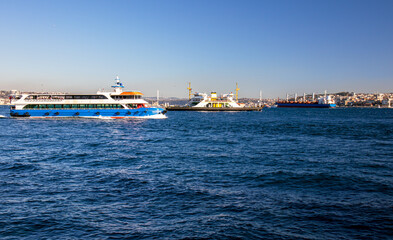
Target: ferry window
30	106
58	106
51	106
74	106
82	106
32	97
68	97
91	106
66	106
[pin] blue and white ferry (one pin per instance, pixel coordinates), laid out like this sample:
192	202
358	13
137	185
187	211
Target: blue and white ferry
112	105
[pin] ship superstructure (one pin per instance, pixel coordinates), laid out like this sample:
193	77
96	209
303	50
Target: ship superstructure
116	104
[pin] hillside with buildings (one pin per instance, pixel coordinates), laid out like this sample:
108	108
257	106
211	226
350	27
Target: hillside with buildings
342	99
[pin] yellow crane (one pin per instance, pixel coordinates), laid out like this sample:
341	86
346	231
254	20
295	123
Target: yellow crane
189	91
237	91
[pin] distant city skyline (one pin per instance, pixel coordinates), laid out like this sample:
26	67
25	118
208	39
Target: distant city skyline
278	47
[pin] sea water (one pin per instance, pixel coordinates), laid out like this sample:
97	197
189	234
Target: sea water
276	174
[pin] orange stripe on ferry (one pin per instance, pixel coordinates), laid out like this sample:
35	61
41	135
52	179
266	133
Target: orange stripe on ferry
131	93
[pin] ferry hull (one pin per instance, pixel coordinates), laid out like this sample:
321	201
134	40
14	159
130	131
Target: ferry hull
90	113
304	105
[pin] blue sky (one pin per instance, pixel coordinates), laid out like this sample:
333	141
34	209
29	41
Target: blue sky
274	46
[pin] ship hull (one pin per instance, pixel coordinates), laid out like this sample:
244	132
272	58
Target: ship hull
304	105
90	113
212	109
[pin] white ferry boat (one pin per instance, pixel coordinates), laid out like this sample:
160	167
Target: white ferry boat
214	103
202	100
116	104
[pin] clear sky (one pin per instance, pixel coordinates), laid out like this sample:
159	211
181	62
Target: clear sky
276	46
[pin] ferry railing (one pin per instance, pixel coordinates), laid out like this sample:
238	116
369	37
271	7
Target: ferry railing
41	100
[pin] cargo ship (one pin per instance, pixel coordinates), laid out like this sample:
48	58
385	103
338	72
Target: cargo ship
323	102
112	105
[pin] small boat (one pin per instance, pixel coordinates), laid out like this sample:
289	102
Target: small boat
112	105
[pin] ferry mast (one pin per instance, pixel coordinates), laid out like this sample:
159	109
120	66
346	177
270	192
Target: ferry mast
189	91
237	92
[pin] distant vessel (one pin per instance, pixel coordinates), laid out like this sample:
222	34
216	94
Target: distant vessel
116	104
323	102
204	102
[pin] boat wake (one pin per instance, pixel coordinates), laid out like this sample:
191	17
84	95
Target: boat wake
158	116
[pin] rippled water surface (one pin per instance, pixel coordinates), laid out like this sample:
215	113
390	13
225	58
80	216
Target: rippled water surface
277	174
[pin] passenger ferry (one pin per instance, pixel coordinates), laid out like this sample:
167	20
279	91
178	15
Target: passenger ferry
112	105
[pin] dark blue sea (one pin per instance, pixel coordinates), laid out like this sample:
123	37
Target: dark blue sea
276	174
